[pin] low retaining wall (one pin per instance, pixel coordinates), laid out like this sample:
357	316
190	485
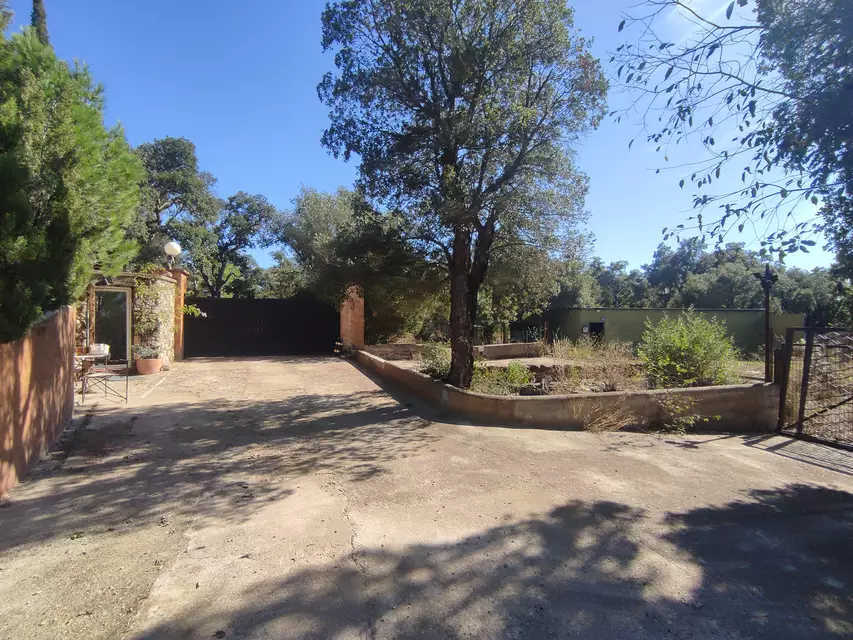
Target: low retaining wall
403	351
36	393
739	407
509	350
410	351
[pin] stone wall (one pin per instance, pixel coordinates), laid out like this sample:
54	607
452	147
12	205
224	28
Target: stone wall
158	302
153	311
36	393
736	408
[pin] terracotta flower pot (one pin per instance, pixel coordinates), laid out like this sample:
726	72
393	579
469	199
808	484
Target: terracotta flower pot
147	366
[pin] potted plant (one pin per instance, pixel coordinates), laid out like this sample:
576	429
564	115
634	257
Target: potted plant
147	359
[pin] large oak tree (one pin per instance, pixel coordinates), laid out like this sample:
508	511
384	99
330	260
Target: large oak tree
463	114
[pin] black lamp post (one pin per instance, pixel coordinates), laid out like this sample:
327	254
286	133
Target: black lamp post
767	279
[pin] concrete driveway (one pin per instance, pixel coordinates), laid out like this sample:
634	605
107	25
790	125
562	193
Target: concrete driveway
285	498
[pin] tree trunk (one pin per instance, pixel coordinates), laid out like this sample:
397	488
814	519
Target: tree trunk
463	310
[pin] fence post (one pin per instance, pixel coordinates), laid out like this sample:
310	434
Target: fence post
804	389
784	375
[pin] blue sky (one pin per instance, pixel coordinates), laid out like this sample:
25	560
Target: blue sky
239	80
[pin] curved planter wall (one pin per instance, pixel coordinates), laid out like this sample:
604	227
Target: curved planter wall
748	407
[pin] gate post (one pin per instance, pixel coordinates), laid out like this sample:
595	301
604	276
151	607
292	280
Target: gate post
804	391
352	320
180	276
787	353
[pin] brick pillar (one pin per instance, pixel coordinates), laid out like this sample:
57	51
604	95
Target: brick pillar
180	276
352	320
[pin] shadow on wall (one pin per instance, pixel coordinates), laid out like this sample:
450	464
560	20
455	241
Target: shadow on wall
211	461
580	570
36	393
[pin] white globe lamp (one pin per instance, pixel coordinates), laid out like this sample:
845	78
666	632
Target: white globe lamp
173	250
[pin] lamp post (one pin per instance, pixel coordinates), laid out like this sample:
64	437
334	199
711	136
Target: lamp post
173	250
767	279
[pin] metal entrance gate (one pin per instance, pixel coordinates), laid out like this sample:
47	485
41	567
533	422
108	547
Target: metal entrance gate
816	400
302	325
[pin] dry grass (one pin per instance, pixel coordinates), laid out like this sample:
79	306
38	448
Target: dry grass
593	366
603	416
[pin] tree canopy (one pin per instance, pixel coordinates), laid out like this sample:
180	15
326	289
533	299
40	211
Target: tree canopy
766	91
38	20
463	115
175	189
722	278
217	243
69	187
337	241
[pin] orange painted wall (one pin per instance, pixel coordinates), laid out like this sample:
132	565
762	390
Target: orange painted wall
36	393
180	276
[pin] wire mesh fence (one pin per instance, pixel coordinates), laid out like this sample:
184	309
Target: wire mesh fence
817	393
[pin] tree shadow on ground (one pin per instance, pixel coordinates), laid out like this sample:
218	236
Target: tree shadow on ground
811	453
776	565
818	455
210	461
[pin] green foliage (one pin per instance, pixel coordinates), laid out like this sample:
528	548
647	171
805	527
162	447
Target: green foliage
462	116
724	278
435	360
282	280
174	189
729	286
670	268
618	287
500	381
148	316
6	16
192	311
68	186
519	284
145	352
338	241
217	243
577	287
765	93
675	415
687	350
38	19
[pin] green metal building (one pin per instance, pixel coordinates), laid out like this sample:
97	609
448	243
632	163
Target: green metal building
628	325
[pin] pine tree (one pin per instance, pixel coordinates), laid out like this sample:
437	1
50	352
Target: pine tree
5	17
69	187
39	22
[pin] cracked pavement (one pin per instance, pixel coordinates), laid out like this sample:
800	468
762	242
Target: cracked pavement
296	498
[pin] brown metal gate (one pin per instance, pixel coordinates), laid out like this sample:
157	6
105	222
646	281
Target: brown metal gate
816	400
301	325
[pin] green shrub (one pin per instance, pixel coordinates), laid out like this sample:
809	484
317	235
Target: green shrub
436	360
145	352
687	350
676	415
500	381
